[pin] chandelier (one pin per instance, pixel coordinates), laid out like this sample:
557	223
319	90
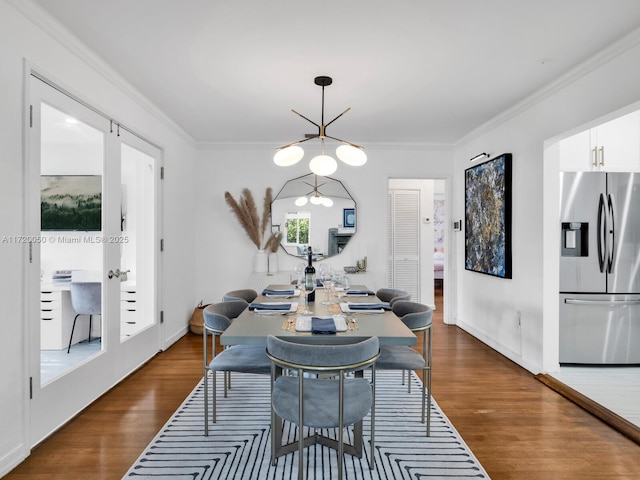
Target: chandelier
314	196
322	164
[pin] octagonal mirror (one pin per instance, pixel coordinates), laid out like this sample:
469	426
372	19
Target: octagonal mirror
314	211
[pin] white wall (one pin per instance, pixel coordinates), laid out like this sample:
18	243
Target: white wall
21	40
225	254
488	306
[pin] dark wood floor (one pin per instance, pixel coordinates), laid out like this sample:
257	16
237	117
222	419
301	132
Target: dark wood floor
517	427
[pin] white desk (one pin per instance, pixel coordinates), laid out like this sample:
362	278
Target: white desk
56	315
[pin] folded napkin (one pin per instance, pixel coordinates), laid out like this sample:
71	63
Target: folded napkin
269	291
323	325
369	306
359	292
270	306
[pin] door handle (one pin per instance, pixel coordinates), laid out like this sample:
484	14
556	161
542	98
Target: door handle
117	273
602	156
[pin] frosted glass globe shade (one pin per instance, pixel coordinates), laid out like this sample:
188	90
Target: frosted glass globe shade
288	156
323	165
351	155
327	202
301	201
316	200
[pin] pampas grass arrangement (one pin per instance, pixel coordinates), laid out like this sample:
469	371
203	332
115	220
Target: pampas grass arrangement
273	242
246	211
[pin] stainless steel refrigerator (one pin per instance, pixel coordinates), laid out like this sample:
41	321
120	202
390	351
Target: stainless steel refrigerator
600	268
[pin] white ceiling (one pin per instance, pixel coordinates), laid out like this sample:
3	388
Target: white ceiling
413	71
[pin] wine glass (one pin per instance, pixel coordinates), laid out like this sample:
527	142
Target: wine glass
341	285
326	277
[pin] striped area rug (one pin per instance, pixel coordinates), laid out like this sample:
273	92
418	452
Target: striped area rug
238	445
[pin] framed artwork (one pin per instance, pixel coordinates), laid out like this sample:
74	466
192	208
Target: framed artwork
349	217
71	202
487	217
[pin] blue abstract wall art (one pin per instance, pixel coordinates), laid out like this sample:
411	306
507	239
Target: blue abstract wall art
488	217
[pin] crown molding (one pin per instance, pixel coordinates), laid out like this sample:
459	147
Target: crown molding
596	61
45	22
368	146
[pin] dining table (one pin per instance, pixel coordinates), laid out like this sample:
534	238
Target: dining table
258	321
254	325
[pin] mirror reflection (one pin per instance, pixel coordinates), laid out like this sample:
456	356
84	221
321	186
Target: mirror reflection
314	211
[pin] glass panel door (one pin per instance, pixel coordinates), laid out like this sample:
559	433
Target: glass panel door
71	161
92	217
138	250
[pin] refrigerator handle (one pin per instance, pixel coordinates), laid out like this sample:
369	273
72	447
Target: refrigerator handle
611	234
602	225
611	303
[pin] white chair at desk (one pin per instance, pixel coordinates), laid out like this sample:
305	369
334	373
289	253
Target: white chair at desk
86	299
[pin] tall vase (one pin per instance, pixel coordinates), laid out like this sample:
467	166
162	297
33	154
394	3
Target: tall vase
261	261
273	262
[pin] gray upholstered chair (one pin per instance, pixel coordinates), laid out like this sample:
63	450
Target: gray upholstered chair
237	358
317	394
86	299
418	318
392	295
245	294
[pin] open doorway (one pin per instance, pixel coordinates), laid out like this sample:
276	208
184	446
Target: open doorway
416	247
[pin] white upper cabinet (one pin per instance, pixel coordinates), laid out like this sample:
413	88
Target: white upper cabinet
575	153
613	146
618	144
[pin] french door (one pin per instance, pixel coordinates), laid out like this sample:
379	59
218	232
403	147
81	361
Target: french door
92	216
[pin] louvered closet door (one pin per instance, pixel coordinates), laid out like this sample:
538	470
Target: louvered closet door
404	241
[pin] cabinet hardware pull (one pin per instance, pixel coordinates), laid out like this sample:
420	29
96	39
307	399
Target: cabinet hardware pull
602	156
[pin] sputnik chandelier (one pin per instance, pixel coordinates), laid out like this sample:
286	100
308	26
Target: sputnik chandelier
322	164
314	196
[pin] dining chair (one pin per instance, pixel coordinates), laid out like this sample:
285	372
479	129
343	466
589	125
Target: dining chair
245	294
86	299
318	394
418	318
392	295
236	358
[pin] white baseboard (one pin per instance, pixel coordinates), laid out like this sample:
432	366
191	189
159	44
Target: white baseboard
175	337
12	459
501	349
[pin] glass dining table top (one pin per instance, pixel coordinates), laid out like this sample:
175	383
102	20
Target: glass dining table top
253	327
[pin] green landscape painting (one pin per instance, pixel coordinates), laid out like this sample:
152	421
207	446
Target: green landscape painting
71	202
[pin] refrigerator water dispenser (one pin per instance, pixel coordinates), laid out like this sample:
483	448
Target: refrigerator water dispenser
575	239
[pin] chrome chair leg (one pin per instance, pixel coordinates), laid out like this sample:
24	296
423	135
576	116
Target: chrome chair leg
372	459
